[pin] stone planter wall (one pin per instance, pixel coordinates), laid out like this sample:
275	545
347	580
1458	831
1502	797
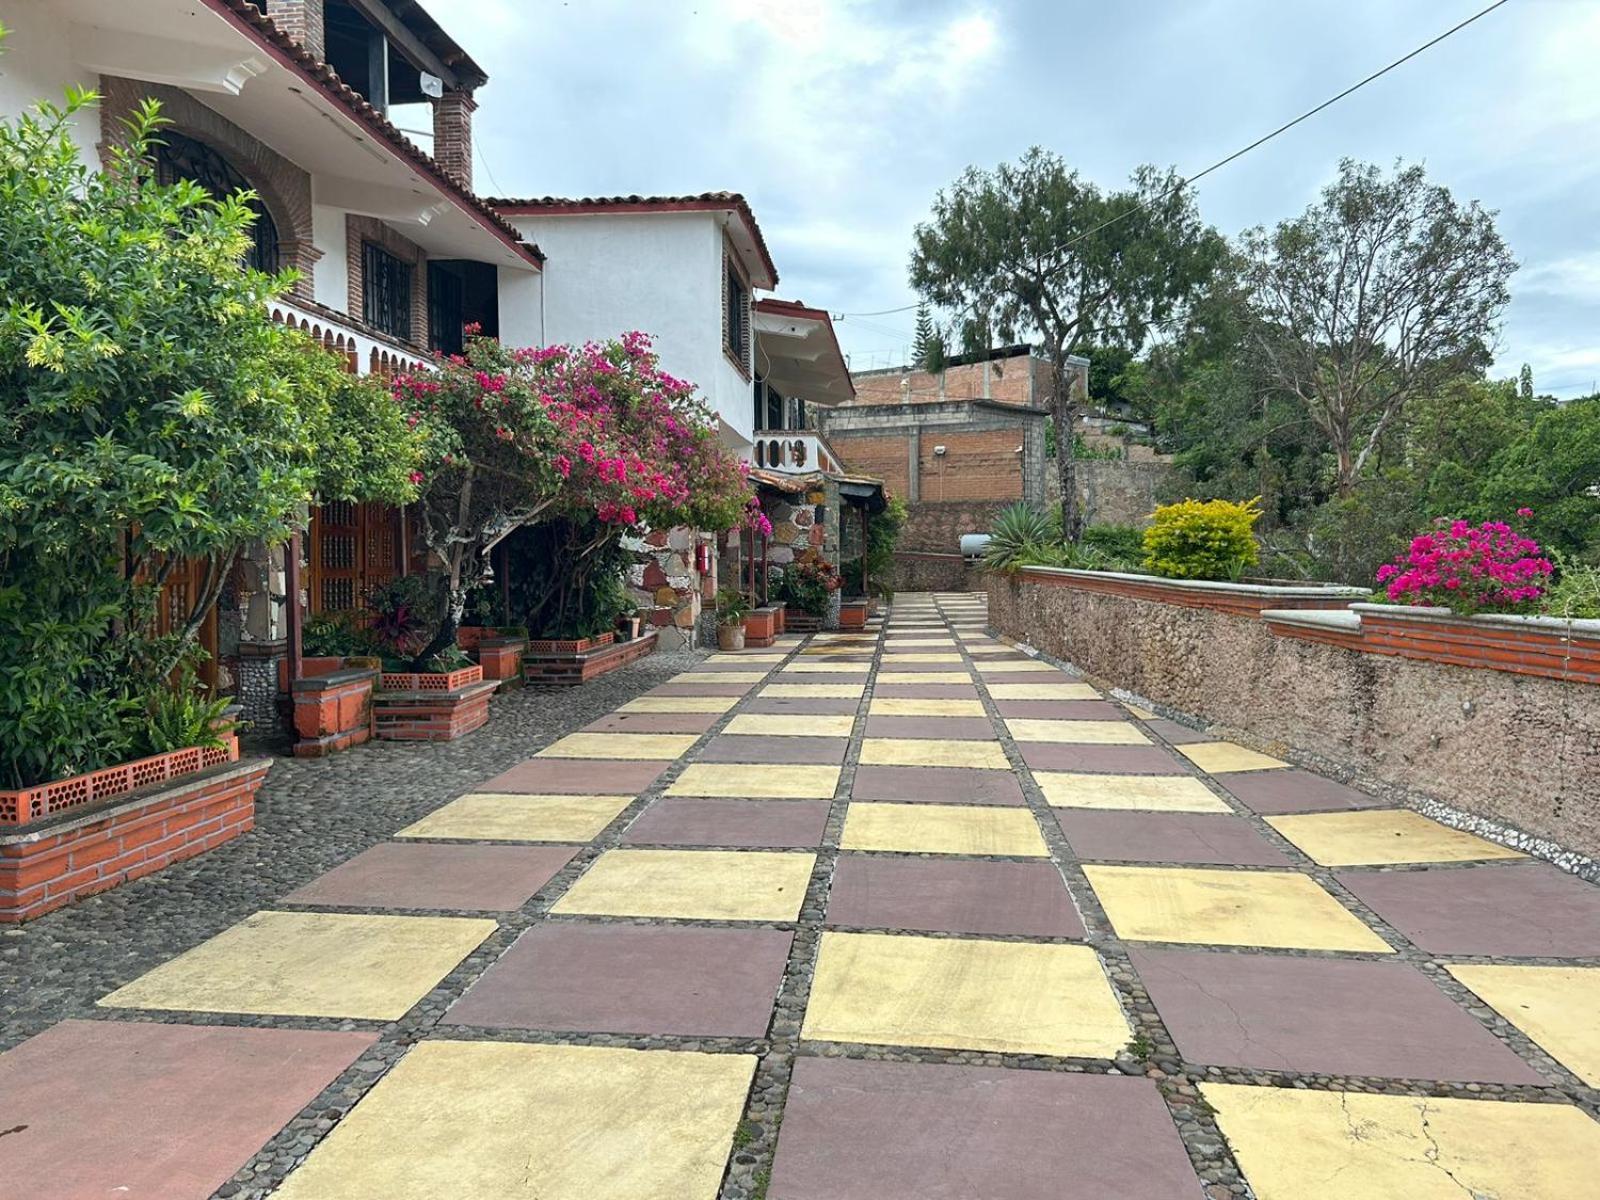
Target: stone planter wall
79	851
1401	716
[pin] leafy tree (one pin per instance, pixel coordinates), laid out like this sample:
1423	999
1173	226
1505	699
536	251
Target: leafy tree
1031	248
150	414
1380	293
1554	469
1525	382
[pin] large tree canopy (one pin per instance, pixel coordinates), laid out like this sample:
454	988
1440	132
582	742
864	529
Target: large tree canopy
1381	292
1031	250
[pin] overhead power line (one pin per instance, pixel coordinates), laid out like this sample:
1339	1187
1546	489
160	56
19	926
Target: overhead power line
1240	153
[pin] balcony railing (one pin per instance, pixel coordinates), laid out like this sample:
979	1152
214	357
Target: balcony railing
364	350
794	451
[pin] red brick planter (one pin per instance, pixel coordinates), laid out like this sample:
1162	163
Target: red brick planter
333	711
802	622
97	845
567	669
432	714
780	617
501	659
760	628
77	791
431	681
853	614
570	645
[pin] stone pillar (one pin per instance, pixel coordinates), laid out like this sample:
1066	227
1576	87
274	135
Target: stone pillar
452	134
257	609
301	20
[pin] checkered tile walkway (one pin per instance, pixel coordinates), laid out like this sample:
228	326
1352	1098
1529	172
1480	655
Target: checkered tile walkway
902	914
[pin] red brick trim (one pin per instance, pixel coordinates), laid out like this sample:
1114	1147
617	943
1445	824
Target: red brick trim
1217	597
432	716
571	668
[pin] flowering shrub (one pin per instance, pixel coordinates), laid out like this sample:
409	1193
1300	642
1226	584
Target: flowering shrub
756	520
1469	568
1202	539
806	585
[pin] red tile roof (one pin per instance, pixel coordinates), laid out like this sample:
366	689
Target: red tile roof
245	16
704	202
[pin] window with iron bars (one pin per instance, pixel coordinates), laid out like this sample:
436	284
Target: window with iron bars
386	291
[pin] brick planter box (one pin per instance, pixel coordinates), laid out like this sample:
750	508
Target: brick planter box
501	659
431	714
431	681
333	710
760	628
853	614
802	622
780	617
570	645
96	845
567	669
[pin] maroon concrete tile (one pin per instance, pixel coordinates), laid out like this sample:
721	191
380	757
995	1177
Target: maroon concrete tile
695	687
927	691
1198	838
147	1111
1061	710
1526	910
952	896
1321	1016
713	668
801	706
1029	677
577	776
630	722
1178	735
1110	760
936	785
1274	792
420	875
861	1130
960	728
690	821
921	668
583	977
759	748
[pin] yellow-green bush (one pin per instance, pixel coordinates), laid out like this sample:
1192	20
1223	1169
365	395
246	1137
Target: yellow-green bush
1202	539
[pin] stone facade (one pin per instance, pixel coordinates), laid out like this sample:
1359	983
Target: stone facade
1505	749
667	586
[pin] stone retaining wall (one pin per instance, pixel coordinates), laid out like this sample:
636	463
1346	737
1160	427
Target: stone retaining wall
1507	748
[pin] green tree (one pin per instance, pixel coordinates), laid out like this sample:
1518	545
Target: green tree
1525	382
1554	469
150	414
924	336
1379	293
1033	249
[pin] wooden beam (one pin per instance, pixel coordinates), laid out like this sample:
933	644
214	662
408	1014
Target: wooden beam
413	48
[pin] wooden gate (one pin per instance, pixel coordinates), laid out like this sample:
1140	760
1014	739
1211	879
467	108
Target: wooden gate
354	549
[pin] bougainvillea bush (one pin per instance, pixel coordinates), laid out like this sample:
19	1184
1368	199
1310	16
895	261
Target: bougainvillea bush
1489	567
597	436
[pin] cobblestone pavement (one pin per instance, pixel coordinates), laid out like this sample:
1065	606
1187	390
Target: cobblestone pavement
900	914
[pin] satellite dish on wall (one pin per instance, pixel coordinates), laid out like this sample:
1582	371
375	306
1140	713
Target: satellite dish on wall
432	85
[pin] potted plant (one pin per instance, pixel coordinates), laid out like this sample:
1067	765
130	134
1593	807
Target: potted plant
628	621
732	609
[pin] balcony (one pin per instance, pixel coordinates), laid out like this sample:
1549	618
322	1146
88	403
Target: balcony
795	452
364	349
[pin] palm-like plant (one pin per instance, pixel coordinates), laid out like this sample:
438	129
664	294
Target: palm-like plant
1021	535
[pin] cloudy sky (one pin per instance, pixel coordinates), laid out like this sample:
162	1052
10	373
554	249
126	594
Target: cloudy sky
839	119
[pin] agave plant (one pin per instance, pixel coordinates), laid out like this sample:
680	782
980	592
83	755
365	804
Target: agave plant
1021	535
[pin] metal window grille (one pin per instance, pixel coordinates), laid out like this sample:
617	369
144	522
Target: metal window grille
386	291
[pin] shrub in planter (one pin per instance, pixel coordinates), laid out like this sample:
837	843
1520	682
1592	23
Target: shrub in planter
1202	539
806	585
732	608
1467	568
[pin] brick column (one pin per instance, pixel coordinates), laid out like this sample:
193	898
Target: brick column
452	133
301	20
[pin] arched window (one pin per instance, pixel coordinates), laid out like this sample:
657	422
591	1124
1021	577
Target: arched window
179	157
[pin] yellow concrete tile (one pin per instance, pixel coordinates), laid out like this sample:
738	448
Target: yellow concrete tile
1144	714
817	691
298	964
517	1121
1558	1007
680	704
747	656
943	829
894	706
1228	908
1077	733
1225	756
719	677
1294	1144
835	652
1043	691
1381	837
961	994
825	668
705	885
1134	793
747	781
620	745
981	651
924	677
891	659
914	643
996	668
918	752
769	725
513	817
867	639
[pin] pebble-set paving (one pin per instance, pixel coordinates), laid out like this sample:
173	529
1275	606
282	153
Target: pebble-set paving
901	915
